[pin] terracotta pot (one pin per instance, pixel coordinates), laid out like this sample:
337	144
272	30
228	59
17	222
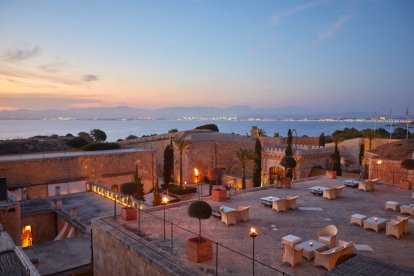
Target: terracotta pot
331	174
286	182
404	184
128	213
219	194
199	251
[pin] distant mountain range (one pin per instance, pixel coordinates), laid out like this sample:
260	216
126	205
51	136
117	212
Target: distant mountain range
125	112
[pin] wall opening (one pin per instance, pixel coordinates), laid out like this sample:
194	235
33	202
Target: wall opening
27	238
114	188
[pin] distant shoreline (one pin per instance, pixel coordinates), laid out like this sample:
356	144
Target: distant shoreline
399	122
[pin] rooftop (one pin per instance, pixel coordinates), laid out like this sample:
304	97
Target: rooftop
313	213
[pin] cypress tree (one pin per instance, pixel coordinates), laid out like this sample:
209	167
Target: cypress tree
258	164
361	154
157	195
336	162
289	138
138	181
168	164
322	140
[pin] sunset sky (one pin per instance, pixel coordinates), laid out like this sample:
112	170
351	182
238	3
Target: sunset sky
319	55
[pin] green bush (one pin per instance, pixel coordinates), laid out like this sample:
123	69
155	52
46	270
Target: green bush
211	127
100	146
130	137
98	135
77	142
175	189
129	188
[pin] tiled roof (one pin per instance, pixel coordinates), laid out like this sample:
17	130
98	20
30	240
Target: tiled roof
10	264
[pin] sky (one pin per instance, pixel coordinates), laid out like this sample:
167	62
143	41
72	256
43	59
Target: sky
321	55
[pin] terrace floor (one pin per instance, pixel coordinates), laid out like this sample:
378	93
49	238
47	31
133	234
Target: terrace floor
313	213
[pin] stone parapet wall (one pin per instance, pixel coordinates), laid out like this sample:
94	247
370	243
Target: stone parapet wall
389	171
106	169
117	253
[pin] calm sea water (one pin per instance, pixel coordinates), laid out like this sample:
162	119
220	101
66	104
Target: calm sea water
10	129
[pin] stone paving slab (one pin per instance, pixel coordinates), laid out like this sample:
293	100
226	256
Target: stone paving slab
365	266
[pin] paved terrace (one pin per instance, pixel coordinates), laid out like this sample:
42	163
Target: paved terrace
314	213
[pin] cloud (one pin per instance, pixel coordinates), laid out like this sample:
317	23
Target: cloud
332	30
47	100
20	54
54	67
89	78
337	25
287	13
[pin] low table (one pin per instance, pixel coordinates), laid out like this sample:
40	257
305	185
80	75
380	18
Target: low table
351	183
226	209
317	190
358	219
375	223
393	205
268	200
407	209
291	240
309	246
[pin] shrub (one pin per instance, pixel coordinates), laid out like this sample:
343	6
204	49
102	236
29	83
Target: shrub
129	189
100	146
322	140
130	137
175	189
211	127
407	164
77	142
173	130
69	135
98	135
85	136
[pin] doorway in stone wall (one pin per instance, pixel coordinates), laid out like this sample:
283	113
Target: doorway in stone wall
114	188
274	172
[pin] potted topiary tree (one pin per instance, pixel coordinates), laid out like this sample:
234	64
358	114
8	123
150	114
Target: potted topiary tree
407	164
217	194
288	162
336	163
128	212
199	249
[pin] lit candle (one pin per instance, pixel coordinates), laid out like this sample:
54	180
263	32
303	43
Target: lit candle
375	219
164	200
310	243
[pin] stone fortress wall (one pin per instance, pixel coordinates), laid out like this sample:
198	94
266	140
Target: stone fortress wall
107	169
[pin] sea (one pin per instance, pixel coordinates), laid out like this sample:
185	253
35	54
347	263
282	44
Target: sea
120	129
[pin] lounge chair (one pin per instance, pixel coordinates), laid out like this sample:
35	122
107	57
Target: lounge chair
329	258
329	193
395	228
292	255
406	223
244	213
339	191
291	202
328	235
280	205
229	217
348	247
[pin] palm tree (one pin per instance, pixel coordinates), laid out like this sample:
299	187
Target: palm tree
181	144
243	155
